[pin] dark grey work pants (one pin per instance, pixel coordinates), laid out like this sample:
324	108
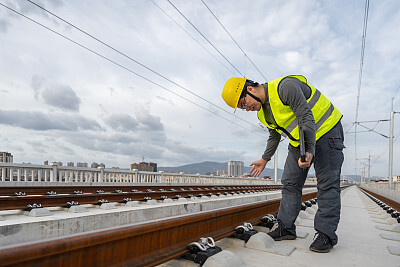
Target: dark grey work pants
327	162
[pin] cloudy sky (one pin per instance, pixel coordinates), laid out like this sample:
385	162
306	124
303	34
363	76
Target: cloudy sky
150	85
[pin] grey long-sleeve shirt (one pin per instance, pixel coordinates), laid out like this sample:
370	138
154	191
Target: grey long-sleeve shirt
293	93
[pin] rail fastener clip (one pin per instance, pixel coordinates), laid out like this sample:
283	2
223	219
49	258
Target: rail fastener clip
245	231
201	250
268	221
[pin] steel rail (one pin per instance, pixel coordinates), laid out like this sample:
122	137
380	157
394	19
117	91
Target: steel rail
61	189
94	197
395	205
140	244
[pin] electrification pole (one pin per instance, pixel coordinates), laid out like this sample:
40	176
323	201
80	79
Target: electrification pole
390	137
391	146
369	168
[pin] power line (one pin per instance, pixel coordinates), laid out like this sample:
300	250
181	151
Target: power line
204	36
364	36
234	40
396	92
140	64
123	67
396	136
191	36
373	143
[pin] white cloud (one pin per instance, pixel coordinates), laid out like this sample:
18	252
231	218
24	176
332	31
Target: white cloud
61	96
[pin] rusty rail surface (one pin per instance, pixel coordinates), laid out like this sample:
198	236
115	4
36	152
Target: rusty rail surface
91	194
395	205
140	244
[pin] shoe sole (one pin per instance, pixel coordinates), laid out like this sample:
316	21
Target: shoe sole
320	250
286	237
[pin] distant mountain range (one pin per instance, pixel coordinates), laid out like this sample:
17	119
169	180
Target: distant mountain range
211	167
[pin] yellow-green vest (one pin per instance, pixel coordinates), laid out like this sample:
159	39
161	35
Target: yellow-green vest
284	121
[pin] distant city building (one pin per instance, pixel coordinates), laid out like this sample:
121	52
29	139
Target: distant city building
6	157
146	167
221	173
235	168
102	165
57	163
115	168
395	178
46	162
152	164
70	164
94	165
82	164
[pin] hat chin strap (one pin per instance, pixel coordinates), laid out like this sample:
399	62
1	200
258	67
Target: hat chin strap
254	97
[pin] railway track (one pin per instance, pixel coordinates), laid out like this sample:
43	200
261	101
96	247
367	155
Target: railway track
395	205
140	244
51	196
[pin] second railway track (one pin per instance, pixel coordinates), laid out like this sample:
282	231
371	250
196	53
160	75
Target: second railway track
51	196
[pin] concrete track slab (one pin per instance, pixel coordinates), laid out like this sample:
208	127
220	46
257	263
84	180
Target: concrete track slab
390	228
384	216
304	222
360	243
16	227
263	242
305	215
395	237
390	221
394	250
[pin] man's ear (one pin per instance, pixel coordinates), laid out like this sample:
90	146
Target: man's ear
251	89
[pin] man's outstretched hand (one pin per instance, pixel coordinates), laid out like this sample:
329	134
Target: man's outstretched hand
258	167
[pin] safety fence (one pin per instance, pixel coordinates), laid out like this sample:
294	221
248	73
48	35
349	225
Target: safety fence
384	185
13	172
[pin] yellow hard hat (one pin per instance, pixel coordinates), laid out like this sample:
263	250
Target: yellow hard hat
232	90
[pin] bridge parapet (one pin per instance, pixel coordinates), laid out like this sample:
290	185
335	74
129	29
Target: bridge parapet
14	172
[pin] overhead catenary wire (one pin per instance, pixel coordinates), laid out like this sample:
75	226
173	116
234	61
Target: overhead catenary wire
373	143
387	115
123	67
396	137
142	65
364	36
245	54
191	36
204	36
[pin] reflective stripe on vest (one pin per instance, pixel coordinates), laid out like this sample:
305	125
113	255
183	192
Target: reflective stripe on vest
284	121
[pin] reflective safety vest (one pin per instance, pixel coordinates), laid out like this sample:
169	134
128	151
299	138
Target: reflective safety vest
284	121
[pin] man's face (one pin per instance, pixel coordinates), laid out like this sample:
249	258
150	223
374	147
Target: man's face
248	103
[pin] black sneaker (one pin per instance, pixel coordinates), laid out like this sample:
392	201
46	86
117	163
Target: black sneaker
322	243
281	233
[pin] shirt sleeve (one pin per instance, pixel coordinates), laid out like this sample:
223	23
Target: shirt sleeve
272	144
294	93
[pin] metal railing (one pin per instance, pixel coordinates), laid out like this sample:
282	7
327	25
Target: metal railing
13	172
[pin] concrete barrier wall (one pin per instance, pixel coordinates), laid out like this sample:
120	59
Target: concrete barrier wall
391	194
